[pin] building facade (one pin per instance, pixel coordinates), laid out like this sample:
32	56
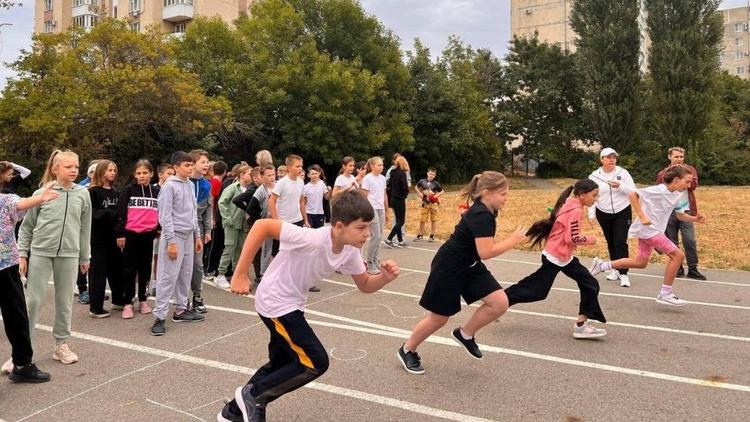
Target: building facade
170	16
735	56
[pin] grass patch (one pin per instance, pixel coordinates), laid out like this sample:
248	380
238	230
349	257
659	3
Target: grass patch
720	240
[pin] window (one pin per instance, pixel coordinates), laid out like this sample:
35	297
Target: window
738	42
114	12
179	28
135	5
740	70
738	27
84	21
47	6
177	2
135	26
739	55
48	27
77	3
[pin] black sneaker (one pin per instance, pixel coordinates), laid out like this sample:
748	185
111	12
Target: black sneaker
187	316
432	238
695	275
314	289
158	328
680	272
388	242
470	345
29	373
227	414
419	238
248	406
410	361
198	306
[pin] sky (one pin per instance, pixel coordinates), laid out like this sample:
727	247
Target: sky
479	23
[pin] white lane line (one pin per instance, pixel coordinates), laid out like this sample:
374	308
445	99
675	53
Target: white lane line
513	261
545	315
182	412
384	330
563	289
341	391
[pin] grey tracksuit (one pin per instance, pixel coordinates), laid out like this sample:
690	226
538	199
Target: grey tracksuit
205	221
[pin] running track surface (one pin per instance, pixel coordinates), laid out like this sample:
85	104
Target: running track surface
656	363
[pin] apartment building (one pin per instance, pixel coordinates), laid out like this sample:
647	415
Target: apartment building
735	56
171	16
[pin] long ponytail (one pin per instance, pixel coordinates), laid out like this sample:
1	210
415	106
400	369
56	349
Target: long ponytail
540	230
487	180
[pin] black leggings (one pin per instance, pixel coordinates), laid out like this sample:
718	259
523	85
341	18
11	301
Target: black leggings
615	228
13	309
138	250
536	286
399	209
106	265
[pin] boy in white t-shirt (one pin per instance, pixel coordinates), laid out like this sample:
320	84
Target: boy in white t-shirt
287	202
653	206
296	356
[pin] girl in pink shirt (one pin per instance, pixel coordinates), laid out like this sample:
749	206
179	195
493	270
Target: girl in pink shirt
562	232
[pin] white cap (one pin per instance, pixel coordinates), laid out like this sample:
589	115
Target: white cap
607	151
92	169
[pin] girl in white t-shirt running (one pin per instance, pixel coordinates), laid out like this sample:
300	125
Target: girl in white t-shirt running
314	192
653	206
345	181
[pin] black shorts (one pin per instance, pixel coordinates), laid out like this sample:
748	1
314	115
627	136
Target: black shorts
449	282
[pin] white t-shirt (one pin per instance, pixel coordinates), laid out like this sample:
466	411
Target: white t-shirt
657	203
289	193
345	182
305	257
375	187
314	193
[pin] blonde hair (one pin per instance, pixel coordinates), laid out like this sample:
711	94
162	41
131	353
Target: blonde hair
52	162
263	157
242	169
373	160
401	163
101	169
487	180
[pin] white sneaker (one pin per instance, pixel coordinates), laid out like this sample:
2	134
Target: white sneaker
588	331
595	266
63	354
221	282
670	299
624	280
8	366
613	275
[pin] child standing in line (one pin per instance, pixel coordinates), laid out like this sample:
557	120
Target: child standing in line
373	186
361	169
562	231
11	176
12	302
457	271
258	209
180	237
233	219
315	191
106	256
82	282
345	180
281	172
653	206
242	201
137	223
296	355
429	190
165	171
205	220
399	190
213	255
55	241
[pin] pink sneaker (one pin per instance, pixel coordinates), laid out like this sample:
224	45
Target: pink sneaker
127	312
144	308
8	366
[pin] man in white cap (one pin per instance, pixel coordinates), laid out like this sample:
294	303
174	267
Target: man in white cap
612	209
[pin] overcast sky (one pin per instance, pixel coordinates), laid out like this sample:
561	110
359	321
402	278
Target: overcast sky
480	23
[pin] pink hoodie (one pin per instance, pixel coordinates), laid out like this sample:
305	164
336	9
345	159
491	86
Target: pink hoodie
566	232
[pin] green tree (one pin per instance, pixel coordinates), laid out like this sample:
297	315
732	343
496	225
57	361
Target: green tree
683	62
542	103
115	93
608	49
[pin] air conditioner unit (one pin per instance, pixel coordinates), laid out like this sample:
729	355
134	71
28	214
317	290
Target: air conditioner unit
529	11
135	13
53	24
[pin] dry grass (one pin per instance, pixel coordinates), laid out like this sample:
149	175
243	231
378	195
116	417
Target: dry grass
722	242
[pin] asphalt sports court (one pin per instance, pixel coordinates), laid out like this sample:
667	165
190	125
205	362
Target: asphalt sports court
656	363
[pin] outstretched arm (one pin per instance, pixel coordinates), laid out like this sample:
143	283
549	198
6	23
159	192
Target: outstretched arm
258	233
488	248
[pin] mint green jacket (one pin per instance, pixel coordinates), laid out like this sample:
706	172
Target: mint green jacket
59	228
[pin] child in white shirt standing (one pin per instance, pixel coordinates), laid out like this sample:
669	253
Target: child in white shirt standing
314	193
373	186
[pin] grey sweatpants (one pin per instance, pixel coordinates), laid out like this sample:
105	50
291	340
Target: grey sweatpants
173	277
266	256
376	235
196	284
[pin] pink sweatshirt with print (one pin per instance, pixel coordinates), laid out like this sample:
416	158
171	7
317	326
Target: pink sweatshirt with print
566	232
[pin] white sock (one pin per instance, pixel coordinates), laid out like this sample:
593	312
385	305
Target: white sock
605	266
464	335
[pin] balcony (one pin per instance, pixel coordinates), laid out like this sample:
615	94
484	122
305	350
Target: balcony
177	10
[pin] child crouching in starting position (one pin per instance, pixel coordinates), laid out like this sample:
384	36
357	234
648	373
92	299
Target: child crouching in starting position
653	206
306	256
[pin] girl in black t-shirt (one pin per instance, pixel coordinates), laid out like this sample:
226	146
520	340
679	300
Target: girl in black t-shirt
457	271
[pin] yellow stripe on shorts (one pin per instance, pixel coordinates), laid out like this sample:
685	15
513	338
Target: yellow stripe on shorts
303	358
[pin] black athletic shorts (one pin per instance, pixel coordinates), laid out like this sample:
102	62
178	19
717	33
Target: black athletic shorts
448	283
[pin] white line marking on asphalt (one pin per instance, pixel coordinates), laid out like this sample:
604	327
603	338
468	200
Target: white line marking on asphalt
362	354
513	261
563	289
182	412
341	391
209	404
621	324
